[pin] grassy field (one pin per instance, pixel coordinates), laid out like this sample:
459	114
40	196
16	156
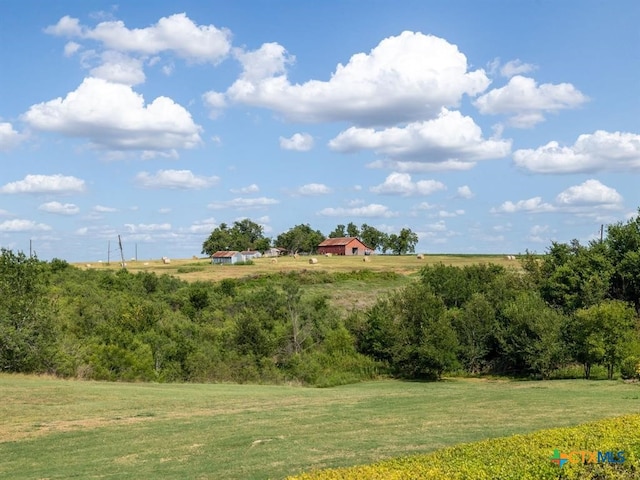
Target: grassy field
201	268
53	428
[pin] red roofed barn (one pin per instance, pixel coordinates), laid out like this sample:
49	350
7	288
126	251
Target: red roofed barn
343	246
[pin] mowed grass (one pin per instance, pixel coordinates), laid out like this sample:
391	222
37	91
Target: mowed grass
202	269
51	428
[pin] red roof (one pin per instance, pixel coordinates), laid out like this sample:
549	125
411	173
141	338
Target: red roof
334	242
224	254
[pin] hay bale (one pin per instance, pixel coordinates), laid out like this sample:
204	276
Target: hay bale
274	260
166	260
195	257
366	259
327	254
420	257
313	261
295	255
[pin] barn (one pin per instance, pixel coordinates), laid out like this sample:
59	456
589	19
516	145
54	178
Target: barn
343	246
226	257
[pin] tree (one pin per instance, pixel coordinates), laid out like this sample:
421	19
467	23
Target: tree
301	238
623	242
26	328
243	235
353	230
604	333
338	232
403	243
372	237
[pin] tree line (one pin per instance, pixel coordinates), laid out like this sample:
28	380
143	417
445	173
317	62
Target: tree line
575	305
248	235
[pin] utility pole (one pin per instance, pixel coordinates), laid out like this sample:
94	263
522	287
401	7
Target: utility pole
30	255
601	232
121	254
109	253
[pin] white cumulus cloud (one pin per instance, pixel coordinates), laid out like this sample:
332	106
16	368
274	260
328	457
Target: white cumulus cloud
59	208
588	193
404	78
401	184
444	142
465	192
241	203
114	117
313	189
9	137
18	225
45	184
526	101
253	188
175	179
516	67
593	152
532	205
300	142
373	210
175	33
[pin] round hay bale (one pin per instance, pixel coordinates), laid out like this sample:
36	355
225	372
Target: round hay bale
420	257
295	255
327	254
274	260
366	259
166	260
313	261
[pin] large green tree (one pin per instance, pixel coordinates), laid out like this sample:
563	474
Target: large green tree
301	238
372	237
26	328
243	235
402	243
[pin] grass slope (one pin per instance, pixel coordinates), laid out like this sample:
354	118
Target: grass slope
53	428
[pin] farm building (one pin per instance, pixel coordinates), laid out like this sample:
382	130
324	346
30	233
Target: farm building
274	252
343	246
227	257
250	254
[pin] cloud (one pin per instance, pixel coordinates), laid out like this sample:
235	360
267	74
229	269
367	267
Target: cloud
71	48
102	209
299	142
203	226
59	208
215	101
119	68
404	78
313	189
147	228
175	179
445	142
516	67
176	33
9	138
244	203
372	210
591	192
527	102
465	192
585	199
253	188
532	205
114	117
401	184
536	232
599	151
45	184
446	214
18	225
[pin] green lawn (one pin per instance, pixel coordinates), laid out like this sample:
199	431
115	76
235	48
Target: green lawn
63	429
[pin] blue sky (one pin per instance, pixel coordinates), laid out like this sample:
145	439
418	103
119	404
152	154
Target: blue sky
484	126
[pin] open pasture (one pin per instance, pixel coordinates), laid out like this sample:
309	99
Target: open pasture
53	428
202	269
